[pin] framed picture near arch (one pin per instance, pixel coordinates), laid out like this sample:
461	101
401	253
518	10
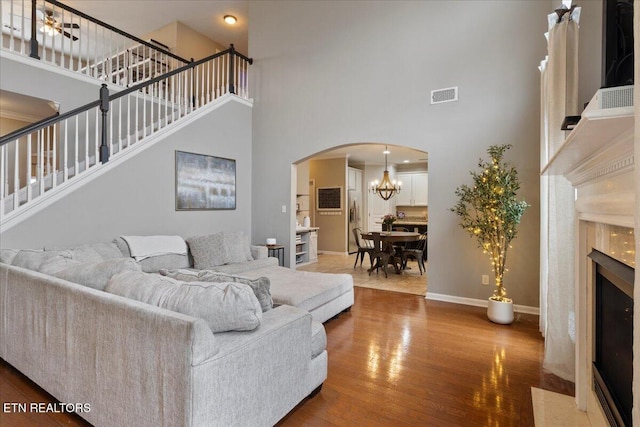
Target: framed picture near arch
204	182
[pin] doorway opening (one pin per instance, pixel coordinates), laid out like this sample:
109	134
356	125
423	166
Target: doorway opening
336	205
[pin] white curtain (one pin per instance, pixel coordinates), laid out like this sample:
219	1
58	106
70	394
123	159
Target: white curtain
559	98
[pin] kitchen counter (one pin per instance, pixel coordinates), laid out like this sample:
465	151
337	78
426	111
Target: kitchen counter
410	222
306	229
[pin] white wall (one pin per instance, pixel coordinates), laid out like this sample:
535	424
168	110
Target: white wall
334	73
138	196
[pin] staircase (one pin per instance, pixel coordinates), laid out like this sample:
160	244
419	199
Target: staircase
44	161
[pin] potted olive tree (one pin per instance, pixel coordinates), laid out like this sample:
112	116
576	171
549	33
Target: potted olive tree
490	212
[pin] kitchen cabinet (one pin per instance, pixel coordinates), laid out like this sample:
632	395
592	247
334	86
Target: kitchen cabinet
415	188
354	179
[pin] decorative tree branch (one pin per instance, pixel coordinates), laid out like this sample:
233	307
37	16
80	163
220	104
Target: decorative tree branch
490	212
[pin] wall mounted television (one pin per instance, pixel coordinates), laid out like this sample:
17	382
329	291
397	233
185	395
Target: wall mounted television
617	43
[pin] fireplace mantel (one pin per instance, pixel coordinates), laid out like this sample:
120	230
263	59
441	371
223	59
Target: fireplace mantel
597	157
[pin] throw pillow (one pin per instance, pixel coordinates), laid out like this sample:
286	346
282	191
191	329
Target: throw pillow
181	274
154	263
237	246
224	306
57	263
208	251
144	287
96	275
261	286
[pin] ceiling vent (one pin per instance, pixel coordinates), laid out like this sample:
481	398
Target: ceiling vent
449	94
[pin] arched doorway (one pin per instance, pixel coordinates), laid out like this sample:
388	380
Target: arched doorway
332	195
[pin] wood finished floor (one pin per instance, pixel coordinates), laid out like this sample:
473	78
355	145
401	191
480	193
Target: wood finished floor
396	359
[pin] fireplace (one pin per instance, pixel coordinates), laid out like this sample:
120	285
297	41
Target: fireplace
598	159
613	338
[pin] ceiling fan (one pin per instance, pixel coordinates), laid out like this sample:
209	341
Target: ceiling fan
50	25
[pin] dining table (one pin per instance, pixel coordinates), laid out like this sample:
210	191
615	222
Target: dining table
385	241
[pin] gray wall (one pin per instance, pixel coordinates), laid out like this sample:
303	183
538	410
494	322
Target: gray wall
333	73
138	196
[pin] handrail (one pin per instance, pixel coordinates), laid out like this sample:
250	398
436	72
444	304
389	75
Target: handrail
46	122
114	29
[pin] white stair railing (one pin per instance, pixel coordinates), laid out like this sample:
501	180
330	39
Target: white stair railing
65	37
49	154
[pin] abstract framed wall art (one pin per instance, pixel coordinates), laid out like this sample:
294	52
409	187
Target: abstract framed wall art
204	182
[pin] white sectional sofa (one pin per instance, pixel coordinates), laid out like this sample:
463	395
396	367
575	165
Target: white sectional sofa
79	323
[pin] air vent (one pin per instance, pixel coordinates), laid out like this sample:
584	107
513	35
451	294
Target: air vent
444	95
616	97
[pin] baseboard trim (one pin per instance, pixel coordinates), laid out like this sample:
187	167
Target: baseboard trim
479	303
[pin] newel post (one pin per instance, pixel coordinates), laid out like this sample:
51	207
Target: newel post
232	56
33	42
104	108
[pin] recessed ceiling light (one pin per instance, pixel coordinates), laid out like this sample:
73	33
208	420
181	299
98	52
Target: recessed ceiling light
386	152
230	19
405	161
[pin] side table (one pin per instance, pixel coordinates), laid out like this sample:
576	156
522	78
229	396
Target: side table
276	251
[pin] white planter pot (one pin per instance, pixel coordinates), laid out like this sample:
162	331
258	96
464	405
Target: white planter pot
500	311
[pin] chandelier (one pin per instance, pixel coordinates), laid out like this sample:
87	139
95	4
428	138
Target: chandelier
386	188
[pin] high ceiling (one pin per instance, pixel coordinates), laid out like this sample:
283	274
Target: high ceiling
139	17
206	17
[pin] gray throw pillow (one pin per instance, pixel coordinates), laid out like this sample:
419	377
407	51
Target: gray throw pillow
144	287
58	263
154	263
237	246
261	286
96	275
208	251
224	306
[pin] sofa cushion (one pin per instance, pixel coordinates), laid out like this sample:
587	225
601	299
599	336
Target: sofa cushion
303	289
243	267
33	259
224	306
96	275
93	252
154	263
260	286
7	255
208	251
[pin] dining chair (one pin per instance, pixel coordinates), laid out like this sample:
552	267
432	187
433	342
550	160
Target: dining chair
399	247
364	247
383	255
419	253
